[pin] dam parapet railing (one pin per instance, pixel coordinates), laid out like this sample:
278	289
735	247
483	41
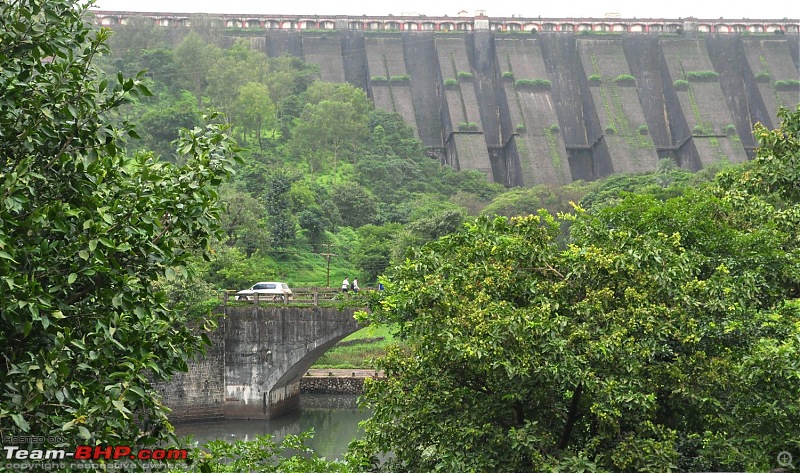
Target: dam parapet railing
461	23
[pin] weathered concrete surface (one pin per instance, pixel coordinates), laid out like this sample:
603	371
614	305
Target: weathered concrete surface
573	128
258	356
198	394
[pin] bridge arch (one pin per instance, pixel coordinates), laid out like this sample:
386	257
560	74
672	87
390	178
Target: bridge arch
269	348
258	355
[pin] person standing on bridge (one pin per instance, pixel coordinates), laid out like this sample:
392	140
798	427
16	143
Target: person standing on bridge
345	285
355	284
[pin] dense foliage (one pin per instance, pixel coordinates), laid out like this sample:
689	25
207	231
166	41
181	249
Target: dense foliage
660	333
324	172
662	337
320	163
88	236
263	454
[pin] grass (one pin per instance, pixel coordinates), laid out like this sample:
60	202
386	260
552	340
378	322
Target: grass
305	268
359	354
371	331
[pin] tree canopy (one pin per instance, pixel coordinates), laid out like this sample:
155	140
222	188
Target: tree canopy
662	336
351	165
88	235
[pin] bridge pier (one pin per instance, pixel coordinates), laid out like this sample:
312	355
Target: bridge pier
283	399
242	403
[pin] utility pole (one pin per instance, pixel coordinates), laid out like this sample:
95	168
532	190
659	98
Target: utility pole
328	258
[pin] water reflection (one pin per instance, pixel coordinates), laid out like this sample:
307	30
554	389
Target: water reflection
334	419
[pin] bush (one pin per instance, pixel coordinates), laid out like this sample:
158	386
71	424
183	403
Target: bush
508	75
787	85
701	129
464	75
702	76
540	84
681	84
625	78
643	130
378	79
450	83
400	78
595	79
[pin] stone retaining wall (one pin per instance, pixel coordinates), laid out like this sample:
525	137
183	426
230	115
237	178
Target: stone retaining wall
329	401
331	385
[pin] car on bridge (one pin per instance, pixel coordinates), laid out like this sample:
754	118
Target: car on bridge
276	290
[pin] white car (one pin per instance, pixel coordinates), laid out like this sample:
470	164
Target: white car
265	290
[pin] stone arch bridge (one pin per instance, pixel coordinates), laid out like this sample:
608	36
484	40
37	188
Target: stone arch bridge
254	366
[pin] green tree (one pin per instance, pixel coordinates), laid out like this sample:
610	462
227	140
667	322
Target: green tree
663	337
318	92
666	167
194	58
776	171
243	221
210	28
332	125
237	67
355	203
230	268
667	181
374	252
280	220
160	65
315	221
474	182
132	45
396	135
528	200
254	109
316	213
439	220
289	77
159	125
86	235
302	74
328	130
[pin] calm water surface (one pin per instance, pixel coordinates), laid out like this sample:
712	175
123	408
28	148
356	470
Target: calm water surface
334	419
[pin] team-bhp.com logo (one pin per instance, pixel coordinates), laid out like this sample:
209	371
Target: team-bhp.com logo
97	452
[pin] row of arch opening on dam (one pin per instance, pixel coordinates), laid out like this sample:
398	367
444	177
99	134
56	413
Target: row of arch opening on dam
551	108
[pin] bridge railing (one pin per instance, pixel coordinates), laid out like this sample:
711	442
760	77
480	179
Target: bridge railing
300	296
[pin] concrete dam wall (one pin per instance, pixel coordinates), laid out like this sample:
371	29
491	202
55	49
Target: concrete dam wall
551	108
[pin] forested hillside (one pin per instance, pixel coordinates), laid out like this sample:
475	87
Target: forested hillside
655	328
323	172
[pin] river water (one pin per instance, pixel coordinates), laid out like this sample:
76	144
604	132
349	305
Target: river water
334	419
